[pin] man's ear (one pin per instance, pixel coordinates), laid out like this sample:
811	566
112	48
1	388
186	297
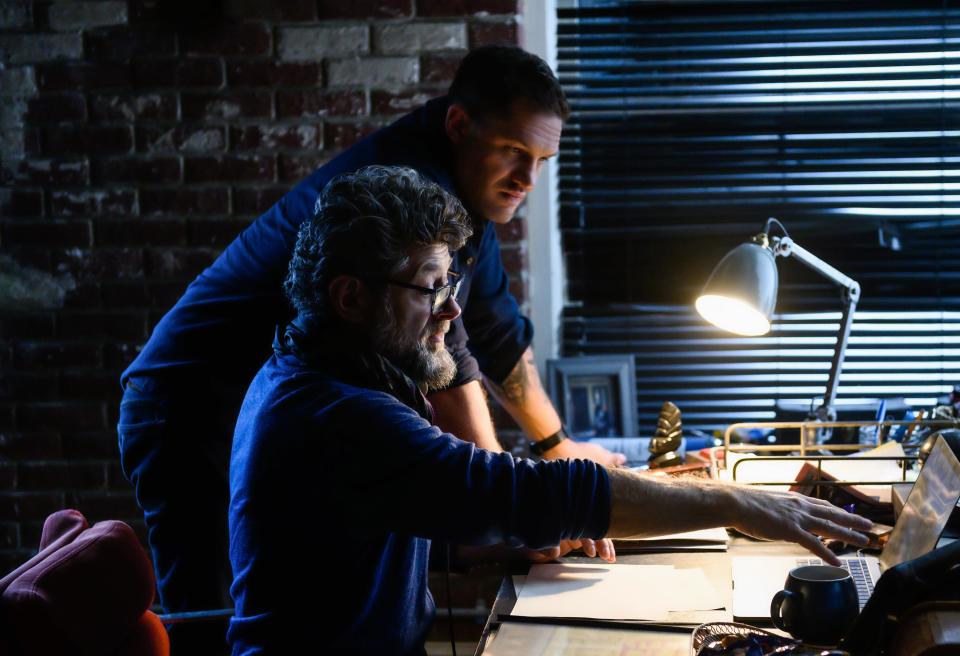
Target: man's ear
349	298
456	123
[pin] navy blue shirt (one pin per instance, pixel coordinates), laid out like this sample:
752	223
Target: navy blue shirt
336	492
225	320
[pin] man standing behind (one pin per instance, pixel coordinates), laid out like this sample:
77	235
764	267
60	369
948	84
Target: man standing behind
484	142
335	439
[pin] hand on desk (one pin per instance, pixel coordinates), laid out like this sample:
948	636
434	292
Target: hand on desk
569	449
775	515
602	549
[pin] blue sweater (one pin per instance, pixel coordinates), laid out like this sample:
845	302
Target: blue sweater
336	492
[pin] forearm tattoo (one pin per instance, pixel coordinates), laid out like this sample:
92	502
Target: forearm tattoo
516	384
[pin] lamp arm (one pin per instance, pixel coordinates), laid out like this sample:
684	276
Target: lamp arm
785	247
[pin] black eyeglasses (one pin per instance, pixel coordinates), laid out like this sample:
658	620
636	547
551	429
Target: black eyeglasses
438	295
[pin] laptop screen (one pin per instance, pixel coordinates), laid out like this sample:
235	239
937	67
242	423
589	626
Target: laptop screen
927	509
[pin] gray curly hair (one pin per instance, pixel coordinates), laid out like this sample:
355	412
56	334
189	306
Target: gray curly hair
365	224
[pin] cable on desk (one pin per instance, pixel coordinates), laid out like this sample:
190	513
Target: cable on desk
453	643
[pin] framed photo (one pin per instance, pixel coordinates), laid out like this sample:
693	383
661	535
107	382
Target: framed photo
595	395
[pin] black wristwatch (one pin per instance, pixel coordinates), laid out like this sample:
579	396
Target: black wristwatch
540	447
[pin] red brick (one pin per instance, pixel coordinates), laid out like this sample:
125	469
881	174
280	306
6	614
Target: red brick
21	446
139	232
178	73
178	263
315	103
466	7
293	168
152	170
436	68
142	107
127	326
519	289
385	102
98	506
254	137
181	139
54	172
85	139
21	505
8	476
99	263
513	231
220	106
243	39
327	9
97	202
9	536
86	294
139	294
60	416
271	10
54	108
115	477
21	202
33	325
92	444
248	200
230	168
91	385
184	201
514	259
216	232
29	386
122	44
53	476
57	355
267	73
82	76
124	294
119	356
491	33
338	136
47	233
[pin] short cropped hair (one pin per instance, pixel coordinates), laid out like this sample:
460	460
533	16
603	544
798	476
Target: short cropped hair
491	79
365	224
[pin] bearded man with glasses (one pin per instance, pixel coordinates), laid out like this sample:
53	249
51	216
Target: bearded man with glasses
336	439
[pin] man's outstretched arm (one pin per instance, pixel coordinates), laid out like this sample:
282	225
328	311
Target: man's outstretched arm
522	395
644	505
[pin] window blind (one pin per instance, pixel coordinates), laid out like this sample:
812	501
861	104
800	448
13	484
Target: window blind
695	121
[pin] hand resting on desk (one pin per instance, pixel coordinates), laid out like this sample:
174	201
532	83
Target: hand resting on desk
646	506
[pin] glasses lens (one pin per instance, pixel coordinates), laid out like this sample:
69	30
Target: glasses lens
440	298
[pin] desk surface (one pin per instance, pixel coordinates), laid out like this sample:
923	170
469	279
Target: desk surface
534	639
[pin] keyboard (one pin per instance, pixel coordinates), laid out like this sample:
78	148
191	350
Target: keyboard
859	572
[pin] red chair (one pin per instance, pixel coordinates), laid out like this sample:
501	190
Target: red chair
87	591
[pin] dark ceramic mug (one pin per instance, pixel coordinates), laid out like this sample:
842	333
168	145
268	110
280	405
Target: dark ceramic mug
817	605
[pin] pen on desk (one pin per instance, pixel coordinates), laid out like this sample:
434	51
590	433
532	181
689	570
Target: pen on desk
597	623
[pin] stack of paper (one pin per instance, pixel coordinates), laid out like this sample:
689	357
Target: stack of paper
614	592
711	539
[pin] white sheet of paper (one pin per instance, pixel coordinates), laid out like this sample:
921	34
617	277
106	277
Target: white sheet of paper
716	535
615	592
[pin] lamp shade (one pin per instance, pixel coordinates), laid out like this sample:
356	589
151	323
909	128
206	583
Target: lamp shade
742	291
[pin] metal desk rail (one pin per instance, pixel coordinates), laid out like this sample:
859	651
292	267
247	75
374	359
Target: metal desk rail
812	452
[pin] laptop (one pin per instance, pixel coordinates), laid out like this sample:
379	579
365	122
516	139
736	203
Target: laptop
756	579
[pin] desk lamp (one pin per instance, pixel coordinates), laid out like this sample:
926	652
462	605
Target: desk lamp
742	291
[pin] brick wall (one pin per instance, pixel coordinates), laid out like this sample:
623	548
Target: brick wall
138	138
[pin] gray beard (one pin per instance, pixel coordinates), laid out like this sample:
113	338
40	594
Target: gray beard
435	369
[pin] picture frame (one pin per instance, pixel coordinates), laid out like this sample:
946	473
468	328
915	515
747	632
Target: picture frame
595	395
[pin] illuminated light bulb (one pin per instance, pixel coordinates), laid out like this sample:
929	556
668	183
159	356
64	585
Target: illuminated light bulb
733	315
